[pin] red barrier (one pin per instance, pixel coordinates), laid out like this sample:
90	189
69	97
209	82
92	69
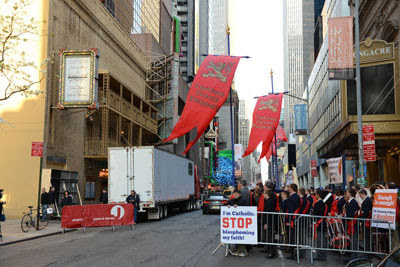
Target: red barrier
97	215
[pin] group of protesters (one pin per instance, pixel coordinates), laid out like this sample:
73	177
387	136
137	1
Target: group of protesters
351	203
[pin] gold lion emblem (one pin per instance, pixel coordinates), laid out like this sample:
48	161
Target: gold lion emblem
269	104
219	71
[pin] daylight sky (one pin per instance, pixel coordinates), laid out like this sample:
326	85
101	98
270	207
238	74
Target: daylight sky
257	31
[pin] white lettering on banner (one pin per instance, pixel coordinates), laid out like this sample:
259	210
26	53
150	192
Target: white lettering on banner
239	225
117	209
384	208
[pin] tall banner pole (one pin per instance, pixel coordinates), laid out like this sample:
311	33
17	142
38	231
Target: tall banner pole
228	33
276	147
359	103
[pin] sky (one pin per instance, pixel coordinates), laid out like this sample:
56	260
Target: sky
257	31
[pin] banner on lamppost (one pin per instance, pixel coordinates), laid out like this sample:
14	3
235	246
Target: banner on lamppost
314	173
238	159
340	42
300	118
335	170
369	142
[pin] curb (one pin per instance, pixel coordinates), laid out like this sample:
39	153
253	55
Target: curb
36	237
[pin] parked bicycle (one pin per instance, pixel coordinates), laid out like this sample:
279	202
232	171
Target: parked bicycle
30	220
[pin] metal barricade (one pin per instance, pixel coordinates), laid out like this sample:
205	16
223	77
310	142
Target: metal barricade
302	233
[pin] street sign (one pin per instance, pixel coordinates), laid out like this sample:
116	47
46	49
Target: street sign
314	172
369	143
37	149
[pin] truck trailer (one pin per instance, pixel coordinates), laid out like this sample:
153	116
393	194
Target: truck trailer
163	180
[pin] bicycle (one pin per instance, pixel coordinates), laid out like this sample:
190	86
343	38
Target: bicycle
27	221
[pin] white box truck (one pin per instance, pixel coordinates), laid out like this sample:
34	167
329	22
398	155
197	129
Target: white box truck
162	180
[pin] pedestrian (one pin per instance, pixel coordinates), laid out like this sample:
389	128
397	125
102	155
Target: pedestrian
320	209
284	204
329	197
134	199
45	201
341	202
352	209
245	193
66	200
104	196
270	222
236	201
53	198
2	215
258	194
366	213
294	204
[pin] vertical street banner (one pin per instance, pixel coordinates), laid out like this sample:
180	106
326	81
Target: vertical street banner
208	92
238	159
335	170
239	225
266	116
314	173
384	208
340	42
300	119
369	143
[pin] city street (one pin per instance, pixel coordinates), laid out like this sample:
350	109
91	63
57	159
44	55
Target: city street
185	239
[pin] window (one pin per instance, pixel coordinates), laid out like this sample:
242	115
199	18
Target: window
90	189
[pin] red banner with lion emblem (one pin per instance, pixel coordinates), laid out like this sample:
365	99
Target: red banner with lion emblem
268	150
266	116
208	93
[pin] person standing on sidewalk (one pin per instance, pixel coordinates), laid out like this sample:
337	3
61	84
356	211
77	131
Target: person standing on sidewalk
104	197
45	201
1	212
320	209
134	199
53	199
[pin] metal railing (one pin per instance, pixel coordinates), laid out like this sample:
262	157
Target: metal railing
302	233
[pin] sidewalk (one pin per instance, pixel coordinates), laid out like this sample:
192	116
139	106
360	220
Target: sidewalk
12	232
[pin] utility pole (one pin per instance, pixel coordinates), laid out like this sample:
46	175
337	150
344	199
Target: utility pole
309	141
359	103
276	147
228	33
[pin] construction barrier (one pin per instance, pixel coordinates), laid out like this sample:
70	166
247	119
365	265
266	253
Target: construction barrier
98	215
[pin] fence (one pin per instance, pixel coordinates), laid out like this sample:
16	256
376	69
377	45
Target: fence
299	233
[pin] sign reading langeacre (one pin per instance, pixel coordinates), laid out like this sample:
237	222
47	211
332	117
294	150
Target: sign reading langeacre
78	79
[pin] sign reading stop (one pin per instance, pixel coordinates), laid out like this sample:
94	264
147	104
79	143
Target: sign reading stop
37	149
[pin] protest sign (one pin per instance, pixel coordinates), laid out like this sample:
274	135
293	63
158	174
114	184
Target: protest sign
239	225
384	208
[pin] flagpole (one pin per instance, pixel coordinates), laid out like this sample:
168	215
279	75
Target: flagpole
276	147
228	33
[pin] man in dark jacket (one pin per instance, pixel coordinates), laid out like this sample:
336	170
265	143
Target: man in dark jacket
134	199
366	213
236	201
341	202
104	197
245	193
45	201
270	222
320	209
352	209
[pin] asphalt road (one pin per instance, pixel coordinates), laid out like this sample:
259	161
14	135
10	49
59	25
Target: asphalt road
185	239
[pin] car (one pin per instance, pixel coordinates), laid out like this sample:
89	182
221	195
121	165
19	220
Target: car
214	202
391	260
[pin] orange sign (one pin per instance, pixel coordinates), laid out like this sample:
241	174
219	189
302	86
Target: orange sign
384	208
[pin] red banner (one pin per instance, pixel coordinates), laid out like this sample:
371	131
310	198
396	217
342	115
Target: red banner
97	215
208	93
369	143
314	172
266	116
266	150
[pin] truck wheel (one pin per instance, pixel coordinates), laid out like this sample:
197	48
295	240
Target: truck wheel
188	205
165	211
160	213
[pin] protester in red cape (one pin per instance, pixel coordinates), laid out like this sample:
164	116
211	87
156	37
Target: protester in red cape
366	213
329	197
134	199
294	205
270	222
320	209
310	197
341	202
259	201
257	196
284	203
236	201
352	209
305	205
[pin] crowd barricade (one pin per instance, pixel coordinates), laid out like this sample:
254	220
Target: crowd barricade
97	215
305	233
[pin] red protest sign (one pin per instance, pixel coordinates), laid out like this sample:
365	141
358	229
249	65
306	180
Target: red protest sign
266	150
37	149
314	172
97	215
208	93
369	143
266	116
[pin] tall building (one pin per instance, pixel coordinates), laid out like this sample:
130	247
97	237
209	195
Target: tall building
244	132
298	28
218	23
